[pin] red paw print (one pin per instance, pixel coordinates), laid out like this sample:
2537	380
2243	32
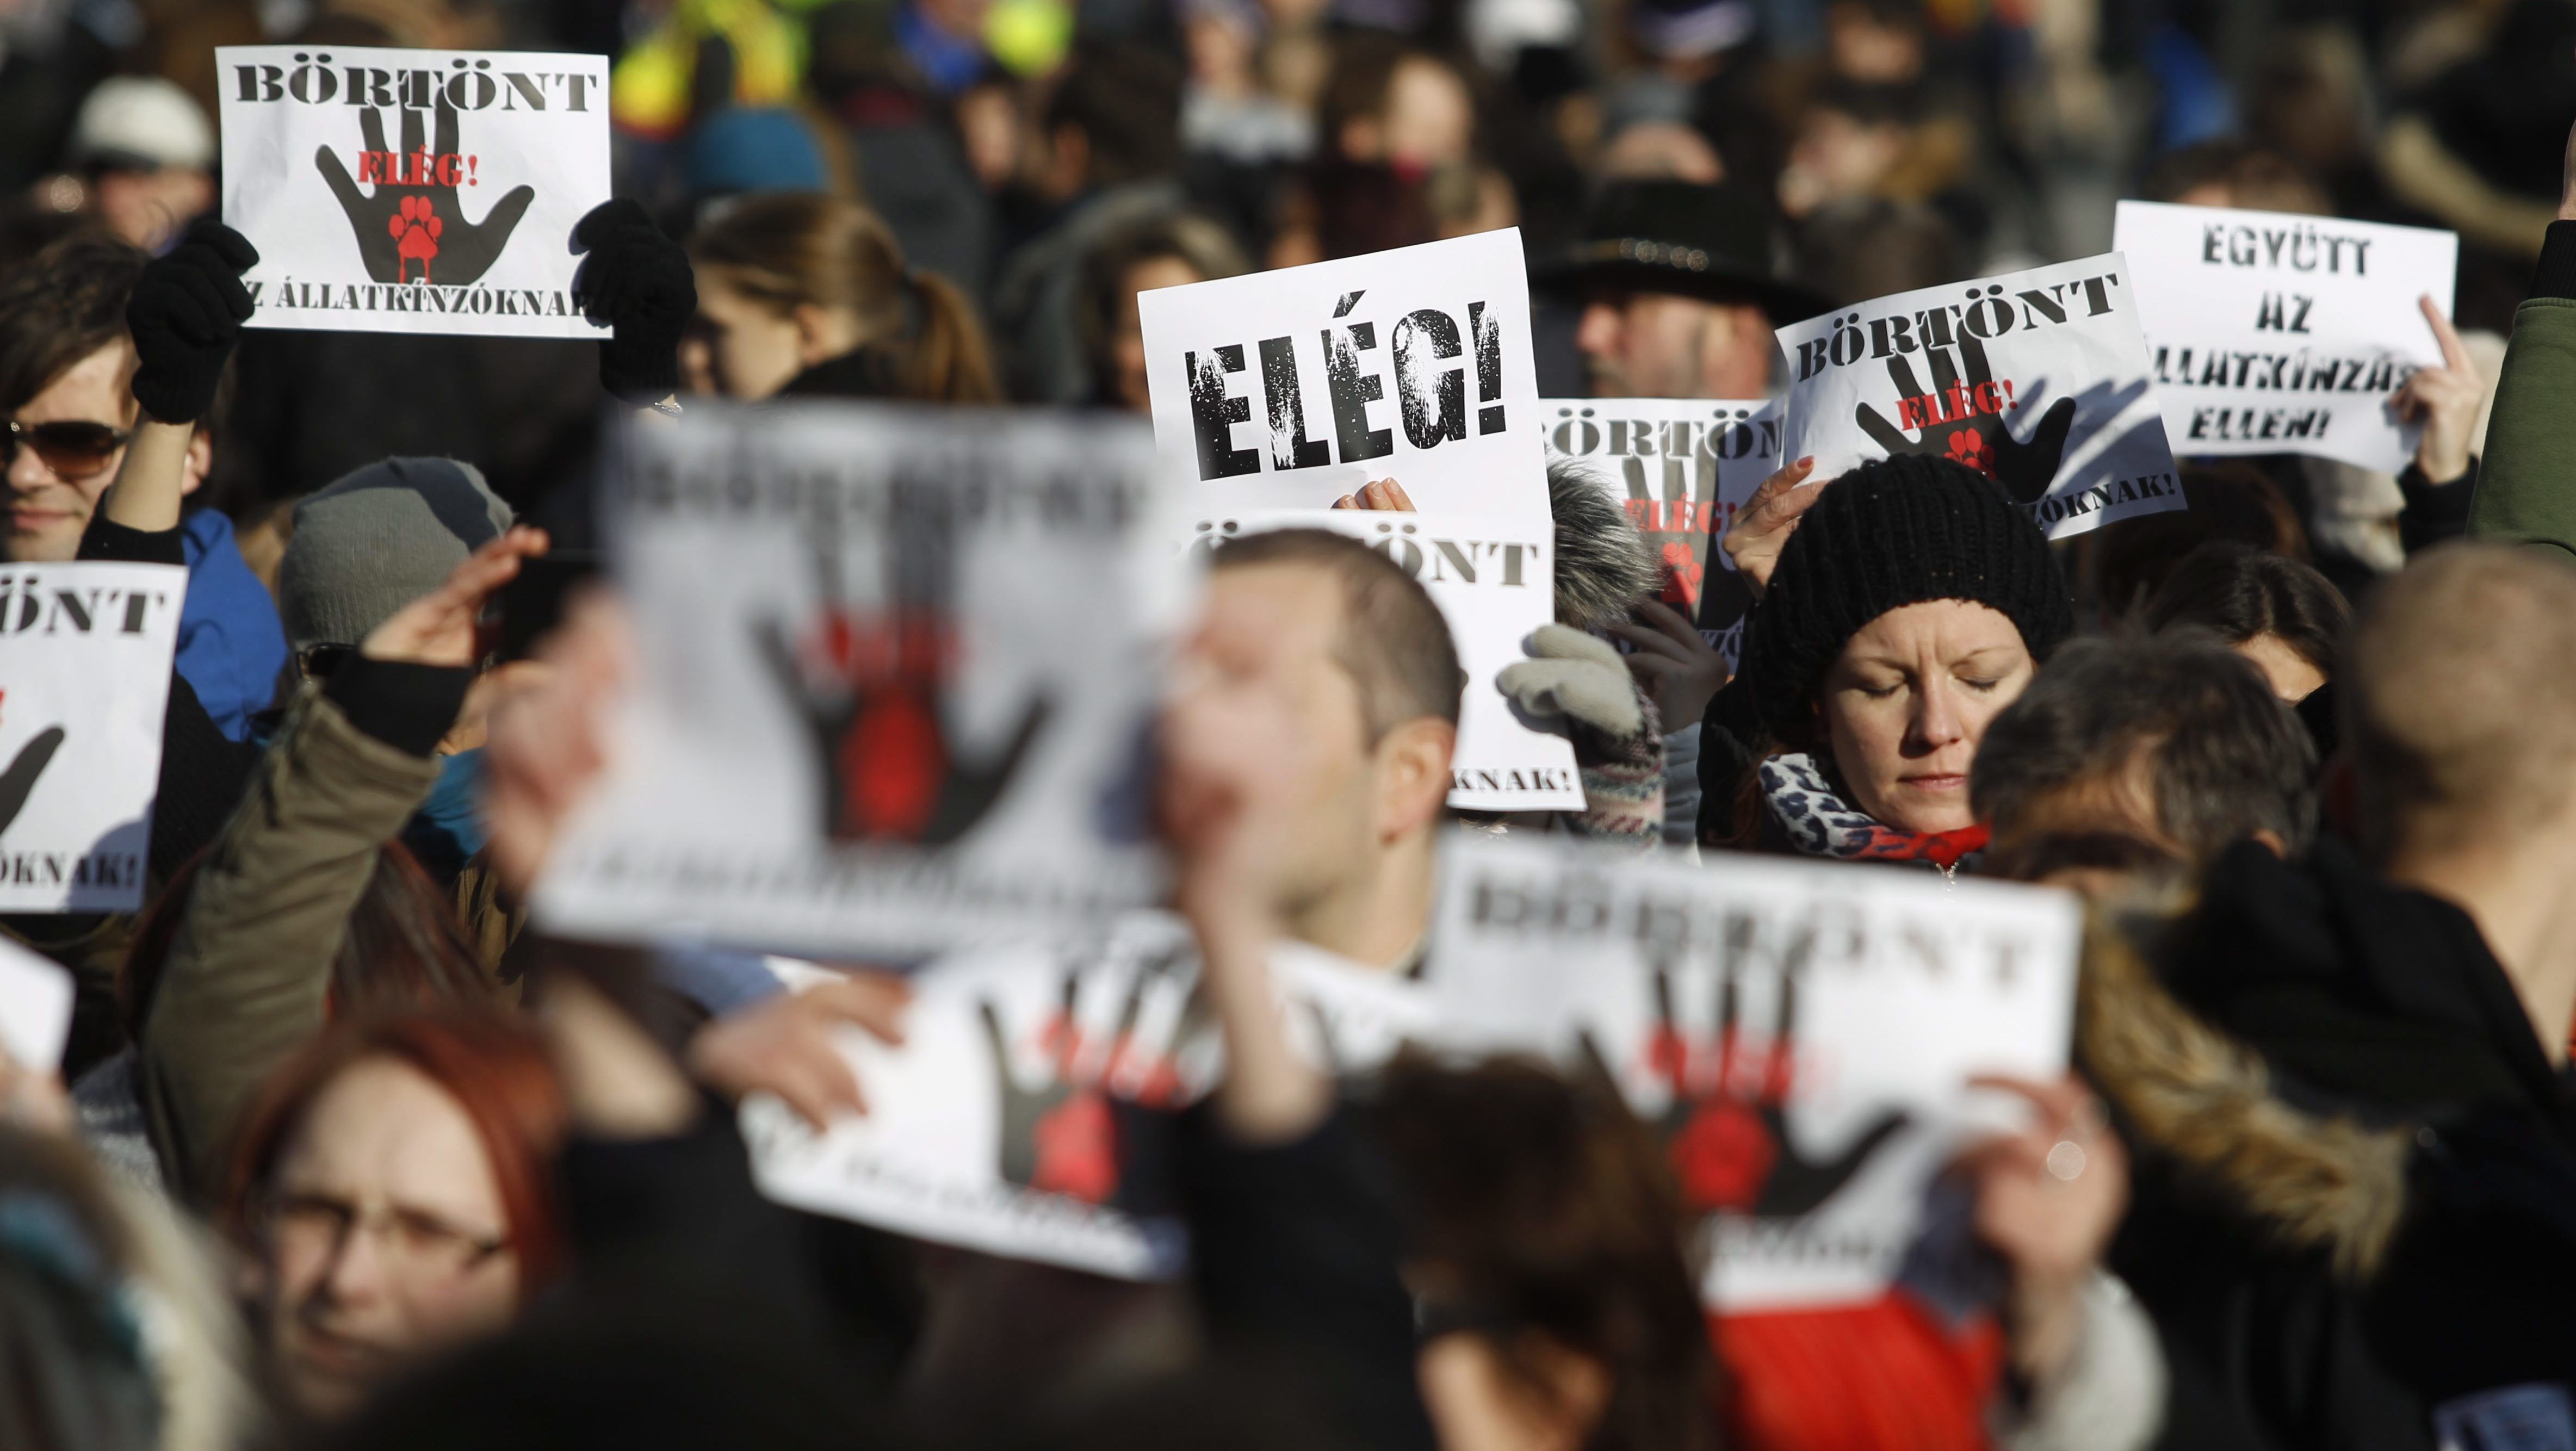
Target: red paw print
1973	450
415	228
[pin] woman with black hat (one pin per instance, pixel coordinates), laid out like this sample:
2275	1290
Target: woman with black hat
1901	606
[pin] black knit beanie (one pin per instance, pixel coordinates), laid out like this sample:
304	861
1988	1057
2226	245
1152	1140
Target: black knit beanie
1890	533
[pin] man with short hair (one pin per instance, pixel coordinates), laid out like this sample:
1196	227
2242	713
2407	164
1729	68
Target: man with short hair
1678	294
67	367
2394	1172
2176	741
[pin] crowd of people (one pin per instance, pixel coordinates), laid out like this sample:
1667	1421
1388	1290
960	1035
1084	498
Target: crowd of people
342	1151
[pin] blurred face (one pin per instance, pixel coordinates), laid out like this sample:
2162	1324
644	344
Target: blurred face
1906	702
1127	335
148	208
50	502
741	347
1836	155
2293	679
1662	345
1430	119
385	1238
1265	644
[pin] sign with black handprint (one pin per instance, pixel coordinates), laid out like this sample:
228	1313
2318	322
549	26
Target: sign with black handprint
1681	467
896	665
2275	333
413	190
2038	380
1800	1035
1027	1111
85	652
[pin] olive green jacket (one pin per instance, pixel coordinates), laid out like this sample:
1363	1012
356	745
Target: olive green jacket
249	970
2526	487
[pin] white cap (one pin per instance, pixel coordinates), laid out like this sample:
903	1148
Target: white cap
142	120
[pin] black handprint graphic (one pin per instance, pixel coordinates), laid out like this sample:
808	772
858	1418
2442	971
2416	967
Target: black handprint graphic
21	776
1724	1126
1963	420
1061	1135
414	220
872	685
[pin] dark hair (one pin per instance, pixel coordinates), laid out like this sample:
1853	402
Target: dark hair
2237	593
58	309
1863	247
66	304
1392	638
2229	499
403	945
1191	237
1125	99
2254	177
2040	854
1542	1206
785	249
2223	757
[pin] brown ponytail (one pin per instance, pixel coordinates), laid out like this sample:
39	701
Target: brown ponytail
789	249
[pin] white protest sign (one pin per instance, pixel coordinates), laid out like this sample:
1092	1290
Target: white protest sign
413	191
1289	389
85	653
2275	333
897	681
1682	468
1800	1033
35	1008
2038	379
1020	1115
1494	580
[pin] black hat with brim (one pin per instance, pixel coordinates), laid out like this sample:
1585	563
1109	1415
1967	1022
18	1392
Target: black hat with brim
1711	242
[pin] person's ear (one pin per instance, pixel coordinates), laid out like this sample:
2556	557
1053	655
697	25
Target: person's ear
2271	841
201	458
1413	775
813	333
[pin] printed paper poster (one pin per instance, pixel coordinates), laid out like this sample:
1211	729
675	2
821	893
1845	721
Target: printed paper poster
1495	583
1681	468
2276	333
414	191
1799	1033
85	652
1289	389
35	1008
1026	1111
2037	379
898	677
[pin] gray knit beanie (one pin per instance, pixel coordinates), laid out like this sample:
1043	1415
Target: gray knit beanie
378	539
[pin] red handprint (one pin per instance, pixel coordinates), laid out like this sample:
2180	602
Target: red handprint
414	227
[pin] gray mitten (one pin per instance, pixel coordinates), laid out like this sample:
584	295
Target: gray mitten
1577	675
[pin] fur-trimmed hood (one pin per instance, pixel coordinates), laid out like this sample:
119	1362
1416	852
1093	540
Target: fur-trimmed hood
2284	1037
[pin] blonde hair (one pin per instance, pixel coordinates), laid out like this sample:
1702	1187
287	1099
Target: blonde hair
788	249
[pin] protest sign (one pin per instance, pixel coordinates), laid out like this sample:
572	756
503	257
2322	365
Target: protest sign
1799	1033
1021	1114
1494	580
2038	379
897	681
35	1008
1289	389
85	653
1681	468
457	220
2274	333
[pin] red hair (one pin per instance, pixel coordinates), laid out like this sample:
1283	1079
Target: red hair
496	1069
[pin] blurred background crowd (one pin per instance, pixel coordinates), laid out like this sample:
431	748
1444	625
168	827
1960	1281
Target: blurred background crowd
1048	158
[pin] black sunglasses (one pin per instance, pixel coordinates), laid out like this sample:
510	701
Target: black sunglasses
72	448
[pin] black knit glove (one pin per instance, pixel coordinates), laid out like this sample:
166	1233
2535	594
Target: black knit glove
639	282
185	315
